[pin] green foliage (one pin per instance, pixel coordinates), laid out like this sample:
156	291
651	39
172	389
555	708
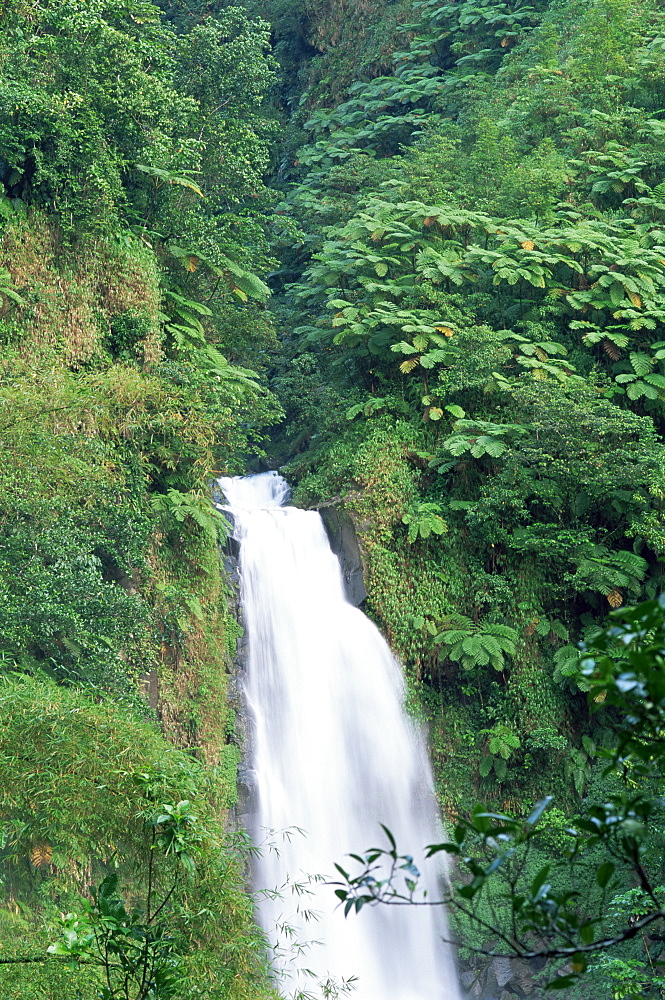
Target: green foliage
184	507
501	742
477	645
132	240
479	286
600	570
139	959
624	668
183	881
629	978
480	437
136	951
7	292
86	745
471	299
423	521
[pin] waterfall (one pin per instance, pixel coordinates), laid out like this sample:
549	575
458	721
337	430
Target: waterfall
334	754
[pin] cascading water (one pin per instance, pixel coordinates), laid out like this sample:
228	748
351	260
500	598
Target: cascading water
334	754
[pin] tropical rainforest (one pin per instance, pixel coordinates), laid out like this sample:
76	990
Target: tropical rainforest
412	253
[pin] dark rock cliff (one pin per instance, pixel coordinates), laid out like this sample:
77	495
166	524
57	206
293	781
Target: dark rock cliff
344	543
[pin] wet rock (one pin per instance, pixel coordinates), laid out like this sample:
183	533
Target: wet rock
524	977
344	543
471	984
501	979
502	971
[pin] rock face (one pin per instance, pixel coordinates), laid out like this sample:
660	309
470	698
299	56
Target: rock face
344	543
241	813
502	979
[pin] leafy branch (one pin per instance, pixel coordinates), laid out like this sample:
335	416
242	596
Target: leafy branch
624	668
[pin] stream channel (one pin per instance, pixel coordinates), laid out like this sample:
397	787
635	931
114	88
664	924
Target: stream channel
333	755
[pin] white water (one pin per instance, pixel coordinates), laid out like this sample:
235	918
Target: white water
334	754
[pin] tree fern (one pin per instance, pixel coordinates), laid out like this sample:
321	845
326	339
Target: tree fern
603	570
181	508
477	645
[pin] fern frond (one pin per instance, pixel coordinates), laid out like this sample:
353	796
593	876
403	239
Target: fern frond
40	855
408	365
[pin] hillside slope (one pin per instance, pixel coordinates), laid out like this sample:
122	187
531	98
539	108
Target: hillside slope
131	249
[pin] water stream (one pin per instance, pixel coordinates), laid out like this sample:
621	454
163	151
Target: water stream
334	754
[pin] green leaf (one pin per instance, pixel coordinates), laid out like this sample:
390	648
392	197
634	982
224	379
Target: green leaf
355	411
538	810
562	983
616	293
389	835
641	363
168	178
638	389
604	873
493	446
540	879
500	768
485	766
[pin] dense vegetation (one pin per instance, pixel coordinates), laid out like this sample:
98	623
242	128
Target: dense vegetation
476	308
459	210
133	220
